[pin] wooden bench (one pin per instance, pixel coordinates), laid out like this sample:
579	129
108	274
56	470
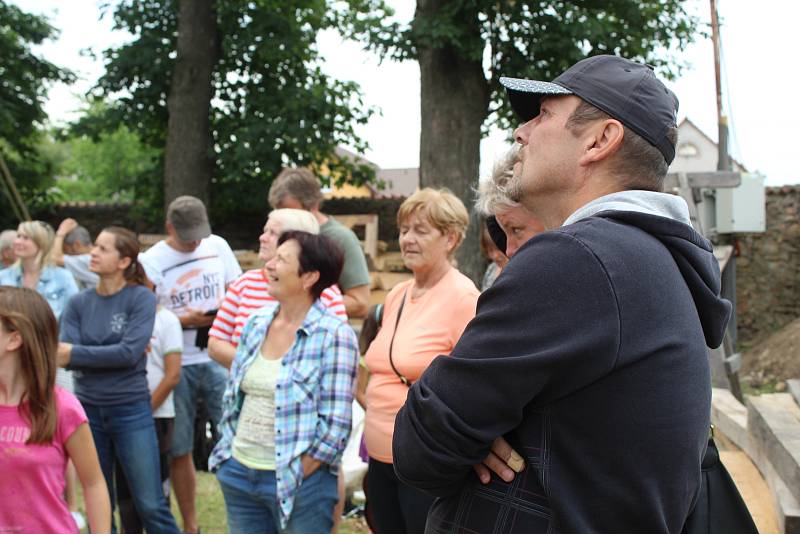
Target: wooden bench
370	224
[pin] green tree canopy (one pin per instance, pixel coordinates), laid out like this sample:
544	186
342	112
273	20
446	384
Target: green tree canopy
106	168
272	106
536	39
24	80
464	46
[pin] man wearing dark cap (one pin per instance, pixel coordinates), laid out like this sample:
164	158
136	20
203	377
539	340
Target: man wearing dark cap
195	268
578	399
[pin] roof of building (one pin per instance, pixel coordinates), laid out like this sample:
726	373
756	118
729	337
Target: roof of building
397	182
355	158
687	121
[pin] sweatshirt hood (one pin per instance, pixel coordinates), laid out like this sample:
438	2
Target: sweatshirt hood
666	217
661	204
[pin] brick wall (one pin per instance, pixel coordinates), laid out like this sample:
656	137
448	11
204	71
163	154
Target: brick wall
241	232
96	216
768	264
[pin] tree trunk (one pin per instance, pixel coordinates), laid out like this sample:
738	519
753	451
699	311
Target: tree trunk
455	100
189	157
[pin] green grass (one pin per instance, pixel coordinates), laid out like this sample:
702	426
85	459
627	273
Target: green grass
211	514
211	510
766	387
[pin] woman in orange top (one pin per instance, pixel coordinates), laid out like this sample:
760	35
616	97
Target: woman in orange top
423	318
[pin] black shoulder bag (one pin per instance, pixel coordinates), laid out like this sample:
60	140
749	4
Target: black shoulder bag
720	508
402	378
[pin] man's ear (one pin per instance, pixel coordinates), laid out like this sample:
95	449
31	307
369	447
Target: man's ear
604	141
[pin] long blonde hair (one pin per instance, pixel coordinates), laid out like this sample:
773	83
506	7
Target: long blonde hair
43	235
23	310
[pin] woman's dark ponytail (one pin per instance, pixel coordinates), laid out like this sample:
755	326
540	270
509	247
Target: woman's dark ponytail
127	244
135	274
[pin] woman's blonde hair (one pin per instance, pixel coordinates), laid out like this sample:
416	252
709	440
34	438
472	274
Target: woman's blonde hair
495	194
441	208
23	310
43	235
292	219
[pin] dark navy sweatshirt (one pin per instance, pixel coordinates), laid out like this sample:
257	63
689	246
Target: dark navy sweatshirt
589	356
109	336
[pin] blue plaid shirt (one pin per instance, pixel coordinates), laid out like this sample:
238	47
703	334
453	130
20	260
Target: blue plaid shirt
313	396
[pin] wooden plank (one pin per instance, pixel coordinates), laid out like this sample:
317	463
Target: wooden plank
723	254
370	224
754	490
704	179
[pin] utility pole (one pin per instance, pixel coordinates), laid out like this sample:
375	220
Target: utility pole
723	161
725	358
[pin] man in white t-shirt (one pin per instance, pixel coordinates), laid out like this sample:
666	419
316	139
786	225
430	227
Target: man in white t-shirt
195	268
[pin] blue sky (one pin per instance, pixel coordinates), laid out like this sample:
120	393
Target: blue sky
758	73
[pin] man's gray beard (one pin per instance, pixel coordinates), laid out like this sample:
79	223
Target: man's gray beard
514	189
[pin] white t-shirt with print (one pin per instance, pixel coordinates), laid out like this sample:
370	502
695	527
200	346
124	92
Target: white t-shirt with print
167	338
193	280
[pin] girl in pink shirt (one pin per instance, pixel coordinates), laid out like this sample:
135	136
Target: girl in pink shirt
41	426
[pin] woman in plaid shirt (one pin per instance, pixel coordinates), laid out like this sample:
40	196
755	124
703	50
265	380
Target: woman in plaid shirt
288	399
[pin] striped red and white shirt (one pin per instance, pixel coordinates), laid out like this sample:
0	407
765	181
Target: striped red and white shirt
250	292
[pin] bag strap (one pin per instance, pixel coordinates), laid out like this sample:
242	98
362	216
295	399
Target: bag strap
402	378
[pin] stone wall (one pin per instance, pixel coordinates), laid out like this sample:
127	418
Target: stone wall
768	268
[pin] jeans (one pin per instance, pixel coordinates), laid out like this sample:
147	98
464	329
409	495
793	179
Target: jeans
125	433
128	517
206	379
252	503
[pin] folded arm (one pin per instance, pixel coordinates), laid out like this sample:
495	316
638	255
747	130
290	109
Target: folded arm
126	352
549	326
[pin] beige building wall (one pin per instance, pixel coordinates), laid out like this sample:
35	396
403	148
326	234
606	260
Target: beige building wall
696	151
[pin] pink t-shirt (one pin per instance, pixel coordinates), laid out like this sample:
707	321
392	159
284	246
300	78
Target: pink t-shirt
32	476
429	326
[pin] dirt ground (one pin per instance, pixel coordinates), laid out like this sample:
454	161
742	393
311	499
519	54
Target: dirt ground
774	359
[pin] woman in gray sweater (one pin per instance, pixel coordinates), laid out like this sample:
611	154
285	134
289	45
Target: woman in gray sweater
104	333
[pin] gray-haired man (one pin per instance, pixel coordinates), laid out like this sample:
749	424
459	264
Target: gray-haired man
71	248
298	188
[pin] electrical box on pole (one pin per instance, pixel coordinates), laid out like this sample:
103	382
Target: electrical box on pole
742	209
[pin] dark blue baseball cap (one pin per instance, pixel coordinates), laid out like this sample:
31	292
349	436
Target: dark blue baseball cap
628	91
